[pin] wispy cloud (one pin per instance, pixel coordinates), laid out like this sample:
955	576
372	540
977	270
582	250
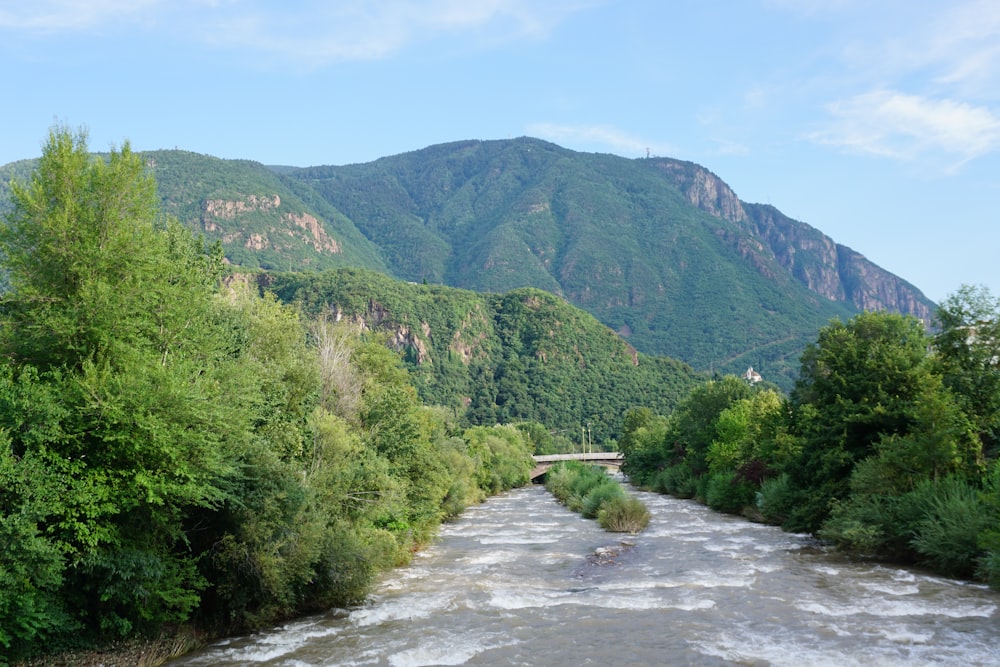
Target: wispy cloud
62	16
614	139
963	47
898	125
927	88
314	31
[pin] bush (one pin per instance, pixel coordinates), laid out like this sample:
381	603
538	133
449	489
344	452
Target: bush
598	496
946	537
559	481
775	499
590	491
623	514
676	480
724	492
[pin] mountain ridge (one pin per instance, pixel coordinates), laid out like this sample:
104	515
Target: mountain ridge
660	250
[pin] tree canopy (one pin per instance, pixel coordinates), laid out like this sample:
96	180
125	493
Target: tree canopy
176	447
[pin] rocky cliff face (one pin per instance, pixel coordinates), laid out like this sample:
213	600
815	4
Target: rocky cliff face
827	268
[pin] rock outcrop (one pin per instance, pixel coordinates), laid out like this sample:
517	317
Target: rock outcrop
829	269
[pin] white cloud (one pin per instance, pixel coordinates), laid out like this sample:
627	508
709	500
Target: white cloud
612	138
903	126
957	48
315	31
61	16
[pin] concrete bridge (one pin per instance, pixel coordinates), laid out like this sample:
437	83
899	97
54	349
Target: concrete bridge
610	460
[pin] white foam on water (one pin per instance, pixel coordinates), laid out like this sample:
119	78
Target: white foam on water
270	646
642	585
906	635
420	605
672	533
704	579
646	603
548	539
897	608
908	589
453	650
524	598
494	557
903	575
756	649
693	605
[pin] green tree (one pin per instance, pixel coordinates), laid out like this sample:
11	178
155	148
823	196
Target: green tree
117	364
858	385
967	354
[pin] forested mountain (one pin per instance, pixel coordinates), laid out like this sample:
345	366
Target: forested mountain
524	355
660	250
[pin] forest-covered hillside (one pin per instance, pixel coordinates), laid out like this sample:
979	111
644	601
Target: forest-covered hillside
659	250
524	355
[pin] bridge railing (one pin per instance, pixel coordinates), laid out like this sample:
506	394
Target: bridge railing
588	456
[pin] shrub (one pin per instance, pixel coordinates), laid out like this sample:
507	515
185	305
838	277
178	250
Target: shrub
676	480
623	514
946	537
559	481
590	491
775	499
598	496
724	492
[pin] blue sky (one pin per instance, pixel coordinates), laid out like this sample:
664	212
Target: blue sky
877	122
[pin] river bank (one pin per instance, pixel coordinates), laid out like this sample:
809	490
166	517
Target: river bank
147	652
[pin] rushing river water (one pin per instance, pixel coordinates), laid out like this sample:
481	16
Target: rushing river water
520	580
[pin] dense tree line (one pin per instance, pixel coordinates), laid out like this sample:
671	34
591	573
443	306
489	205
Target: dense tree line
522	356
886	447
176	447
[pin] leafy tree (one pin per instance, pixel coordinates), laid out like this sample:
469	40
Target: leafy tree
117	362
696	421
858	387
967	353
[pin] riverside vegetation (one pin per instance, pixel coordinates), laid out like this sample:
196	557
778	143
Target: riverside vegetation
887	447
589	490
177	449
187	450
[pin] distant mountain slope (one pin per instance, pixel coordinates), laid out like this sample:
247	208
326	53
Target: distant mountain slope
261	220
522	355
660	250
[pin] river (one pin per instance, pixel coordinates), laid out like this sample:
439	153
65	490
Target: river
520	580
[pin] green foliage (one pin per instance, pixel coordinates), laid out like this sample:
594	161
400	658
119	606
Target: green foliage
967	349
858	385
172	450
591	491
32	610
677	480
989	538
946	538
623	515
726	492
502	457
525	356
776	499
598	496
879	449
